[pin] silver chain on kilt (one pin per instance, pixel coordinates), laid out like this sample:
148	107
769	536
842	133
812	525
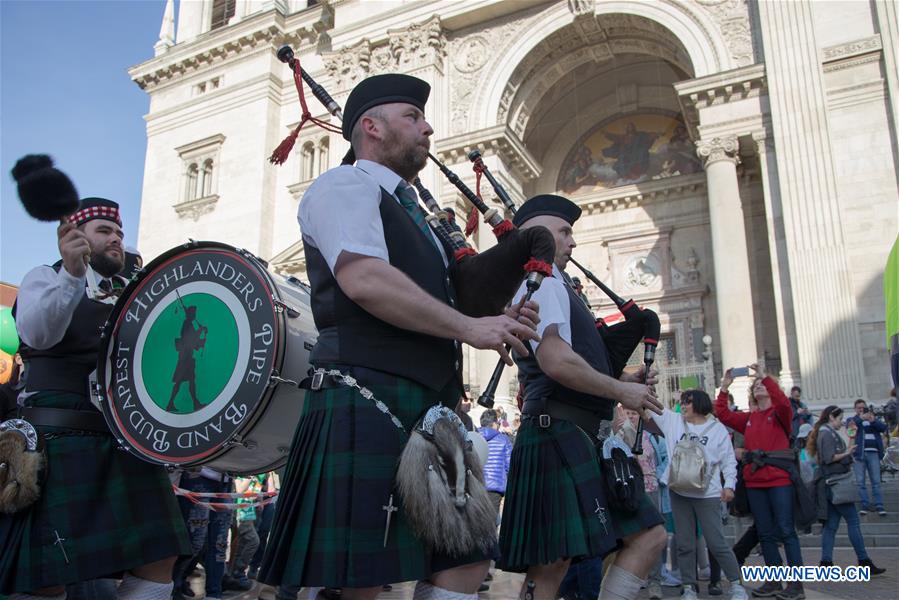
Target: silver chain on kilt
366	393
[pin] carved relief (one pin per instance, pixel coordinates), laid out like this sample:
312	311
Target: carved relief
642	271
470	55
421	44
854	48
732	17
581	7
349	65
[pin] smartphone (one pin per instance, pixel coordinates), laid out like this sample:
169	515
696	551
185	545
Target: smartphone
739	372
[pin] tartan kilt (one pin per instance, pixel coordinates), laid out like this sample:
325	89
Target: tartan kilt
329	522
114	512
556	504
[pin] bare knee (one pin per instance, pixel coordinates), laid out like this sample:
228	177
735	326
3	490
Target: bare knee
656	539
641	550
158	572
465	579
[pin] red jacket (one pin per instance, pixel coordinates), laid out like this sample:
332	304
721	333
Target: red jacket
762	430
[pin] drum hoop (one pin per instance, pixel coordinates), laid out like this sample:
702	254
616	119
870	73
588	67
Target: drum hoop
111	327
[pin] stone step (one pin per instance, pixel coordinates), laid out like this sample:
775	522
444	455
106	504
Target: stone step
871	528
886	540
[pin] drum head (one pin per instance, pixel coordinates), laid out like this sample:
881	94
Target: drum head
189	352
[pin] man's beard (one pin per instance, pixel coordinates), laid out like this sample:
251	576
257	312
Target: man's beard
406	162
106	265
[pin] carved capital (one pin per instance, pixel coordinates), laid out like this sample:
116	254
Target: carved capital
349	65
421	44
719	148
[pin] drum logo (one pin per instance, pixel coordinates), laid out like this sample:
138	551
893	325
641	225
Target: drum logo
194	348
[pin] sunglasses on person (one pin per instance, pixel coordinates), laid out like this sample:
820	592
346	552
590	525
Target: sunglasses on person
686	400
837	413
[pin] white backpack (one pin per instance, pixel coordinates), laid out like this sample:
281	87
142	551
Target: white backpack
689	471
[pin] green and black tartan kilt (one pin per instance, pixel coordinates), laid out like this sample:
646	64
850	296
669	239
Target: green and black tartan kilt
329	522
555	505
112	511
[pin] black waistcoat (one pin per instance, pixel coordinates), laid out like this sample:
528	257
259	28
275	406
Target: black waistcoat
587	343
67	365
349	335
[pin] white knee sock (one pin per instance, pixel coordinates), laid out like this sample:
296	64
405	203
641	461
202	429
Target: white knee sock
135	588
427	591
619	584
21	596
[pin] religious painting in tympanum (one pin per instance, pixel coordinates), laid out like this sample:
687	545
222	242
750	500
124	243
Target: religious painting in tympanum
628	149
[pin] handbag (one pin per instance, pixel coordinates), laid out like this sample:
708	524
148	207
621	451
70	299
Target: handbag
843	488
689	471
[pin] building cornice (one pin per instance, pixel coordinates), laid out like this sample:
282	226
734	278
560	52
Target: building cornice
641	194
720	88
499	140
269	28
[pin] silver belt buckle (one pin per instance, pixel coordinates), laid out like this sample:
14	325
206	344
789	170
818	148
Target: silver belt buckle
318	377
544	421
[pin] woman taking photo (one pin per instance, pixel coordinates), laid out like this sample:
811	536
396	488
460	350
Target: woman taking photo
768	487
834	459
703	506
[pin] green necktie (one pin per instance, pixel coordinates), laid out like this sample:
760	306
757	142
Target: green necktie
409	200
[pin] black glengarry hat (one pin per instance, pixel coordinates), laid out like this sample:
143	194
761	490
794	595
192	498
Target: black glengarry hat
383	89
547	204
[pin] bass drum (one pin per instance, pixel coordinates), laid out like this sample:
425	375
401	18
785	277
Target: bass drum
201	359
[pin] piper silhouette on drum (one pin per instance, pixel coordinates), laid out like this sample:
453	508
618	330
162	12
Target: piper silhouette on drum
192	340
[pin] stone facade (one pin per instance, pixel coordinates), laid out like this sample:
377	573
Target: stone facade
736	160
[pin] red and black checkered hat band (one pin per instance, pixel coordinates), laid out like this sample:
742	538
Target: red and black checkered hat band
96	210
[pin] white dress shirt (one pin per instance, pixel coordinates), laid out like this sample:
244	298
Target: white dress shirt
555	306
45	303
340	212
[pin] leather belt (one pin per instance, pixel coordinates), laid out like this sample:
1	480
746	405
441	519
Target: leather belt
320	381
545	411
65	418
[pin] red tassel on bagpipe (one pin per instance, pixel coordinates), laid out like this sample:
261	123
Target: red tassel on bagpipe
504	228
463	252
471	223
539	266
279	156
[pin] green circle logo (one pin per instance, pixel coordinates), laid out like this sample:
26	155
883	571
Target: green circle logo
190	353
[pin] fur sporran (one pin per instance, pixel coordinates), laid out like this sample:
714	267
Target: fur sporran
22	465
441	483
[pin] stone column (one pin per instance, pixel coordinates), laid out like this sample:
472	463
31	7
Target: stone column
780	263
827	333
733	293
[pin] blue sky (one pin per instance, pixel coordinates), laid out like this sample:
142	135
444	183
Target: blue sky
65	91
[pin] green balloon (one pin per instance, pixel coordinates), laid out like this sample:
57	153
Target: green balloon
9	338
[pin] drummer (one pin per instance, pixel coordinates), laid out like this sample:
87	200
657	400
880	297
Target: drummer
382	300
101	511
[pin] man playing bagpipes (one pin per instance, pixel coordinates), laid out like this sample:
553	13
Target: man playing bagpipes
388	351
81	509
557	509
